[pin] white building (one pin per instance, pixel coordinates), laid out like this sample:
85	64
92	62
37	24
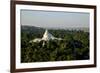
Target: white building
46	37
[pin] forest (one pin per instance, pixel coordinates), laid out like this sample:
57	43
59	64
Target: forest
75	45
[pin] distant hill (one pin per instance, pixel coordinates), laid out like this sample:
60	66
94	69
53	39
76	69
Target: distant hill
79	28
85	29
32	29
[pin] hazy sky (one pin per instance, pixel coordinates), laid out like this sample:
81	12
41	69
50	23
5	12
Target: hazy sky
51	19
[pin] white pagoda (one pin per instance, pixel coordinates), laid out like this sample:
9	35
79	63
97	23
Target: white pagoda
46	37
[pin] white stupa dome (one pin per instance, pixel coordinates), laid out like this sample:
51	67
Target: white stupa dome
47	36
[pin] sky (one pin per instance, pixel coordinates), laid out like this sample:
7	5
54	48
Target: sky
54	19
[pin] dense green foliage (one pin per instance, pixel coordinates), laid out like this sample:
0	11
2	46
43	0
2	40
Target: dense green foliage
75	46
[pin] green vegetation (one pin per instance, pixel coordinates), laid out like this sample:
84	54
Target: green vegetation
75	45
